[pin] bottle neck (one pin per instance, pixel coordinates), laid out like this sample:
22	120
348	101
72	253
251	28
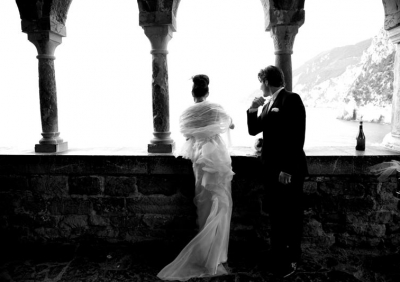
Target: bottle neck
361	132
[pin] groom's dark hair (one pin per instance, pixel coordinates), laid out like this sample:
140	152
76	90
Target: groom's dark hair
273	75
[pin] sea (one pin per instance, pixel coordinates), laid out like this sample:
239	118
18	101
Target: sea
322	129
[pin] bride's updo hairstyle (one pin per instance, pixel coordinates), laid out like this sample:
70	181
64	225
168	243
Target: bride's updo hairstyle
200	85
273	75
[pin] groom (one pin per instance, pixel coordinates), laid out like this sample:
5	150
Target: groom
283	124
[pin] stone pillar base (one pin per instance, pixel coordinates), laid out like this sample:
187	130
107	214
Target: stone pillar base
391	142
161	148
51	148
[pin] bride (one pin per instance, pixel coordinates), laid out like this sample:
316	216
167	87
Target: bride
202	125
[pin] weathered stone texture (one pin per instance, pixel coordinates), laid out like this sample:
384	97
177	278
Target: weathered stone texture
109	206
44	22
49	186
120	186
381	216
48	95
70	206
159	204
158	12
313	233
160	93
59	10
392	13
288	12
86	185
74	221
154	221
44	15
165	185
136	199
98	220
310	187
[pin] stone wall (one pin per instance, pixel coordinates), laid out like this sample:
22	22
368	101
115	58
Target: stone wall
66	198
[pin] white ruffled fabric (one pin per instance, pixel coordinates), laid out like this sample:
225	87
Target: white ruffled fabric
202	125
385	169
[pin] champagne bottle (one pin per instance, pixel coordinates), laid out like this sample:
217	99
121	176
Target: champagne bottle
360	139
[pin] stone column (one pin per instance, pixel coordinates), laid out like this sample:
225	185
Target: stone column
159	37
283	36
158	19
392	139
282	20
44	22
46	43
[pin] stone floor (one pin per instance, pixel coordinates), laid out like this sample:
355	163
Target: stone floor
112	262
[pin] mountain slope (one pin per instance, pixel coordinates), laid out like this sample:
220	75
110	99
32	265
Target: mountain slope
329	64
357	79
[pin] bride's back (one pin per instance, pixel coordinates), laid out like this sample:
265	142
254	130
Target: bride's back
204	118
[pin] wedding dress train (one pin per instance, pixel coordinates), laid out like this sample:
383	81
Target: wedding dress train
205	253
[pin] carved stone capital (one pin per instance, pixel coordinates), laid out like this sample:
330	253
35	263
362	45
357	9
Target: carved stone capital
28	26
159	37
44	15
158	12
392	14
157	18
45	43
277	12
283	37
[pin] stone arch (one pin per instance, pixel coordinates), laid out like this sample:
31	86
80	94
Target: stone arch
44	21
392	13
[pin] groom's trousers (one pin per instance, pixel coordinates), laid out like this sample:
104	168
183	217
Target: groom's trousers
284	203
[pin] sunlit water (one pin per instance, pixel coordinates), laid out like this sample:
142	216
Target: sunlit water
323	129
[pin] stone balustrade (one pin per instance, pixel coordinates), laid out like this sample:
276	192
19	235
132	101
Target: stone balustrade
119	197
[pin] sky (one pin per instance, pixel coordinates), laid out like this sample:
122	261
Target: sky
103	66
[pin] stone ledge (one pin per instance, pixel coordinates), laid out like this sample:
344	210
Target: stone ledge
235	151
128	161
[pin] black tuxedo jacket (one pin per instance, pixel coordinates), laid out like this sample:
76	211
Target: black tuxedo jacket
284	128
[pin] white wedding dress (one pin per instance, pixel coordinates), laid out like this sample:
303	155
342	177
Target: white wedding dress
202	124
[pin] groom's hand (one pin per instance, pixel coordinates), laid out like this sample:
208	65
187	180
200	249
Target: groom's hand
284	178
257	102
